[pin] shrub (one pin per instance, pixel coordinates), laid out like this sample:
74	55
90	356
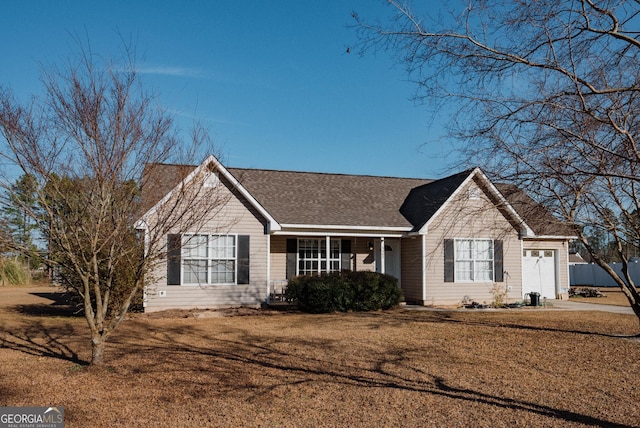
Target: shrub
585	292
499	293
344	291
13	272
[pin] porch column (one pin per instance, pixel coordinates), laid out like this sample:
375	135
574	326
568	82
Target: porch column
382	254
328	256
268	268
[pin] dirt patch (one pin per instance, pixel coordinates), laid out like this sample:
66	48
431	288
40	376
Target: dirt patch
205	313
391	368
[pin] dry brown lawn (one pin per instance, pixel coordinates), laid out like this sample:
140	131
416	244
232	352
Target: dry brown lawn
612	296
520	367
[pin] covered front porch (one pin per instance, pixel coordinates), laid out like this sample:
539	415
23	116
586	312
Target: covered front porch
313	254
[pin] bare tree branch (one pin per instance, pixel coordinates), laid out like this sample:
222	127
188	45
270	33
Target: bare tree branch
547	95
88	144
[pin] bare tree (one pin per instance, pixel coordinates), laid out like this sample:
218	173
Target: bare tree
86	143
546	94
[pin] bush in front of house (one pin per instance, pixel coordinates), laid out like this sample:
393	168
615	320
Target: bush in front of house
344	291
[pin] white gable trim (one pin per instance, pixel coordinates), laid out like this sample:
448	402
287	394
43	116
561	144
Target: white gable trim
526	230
550	237
345	227
342	230
273	224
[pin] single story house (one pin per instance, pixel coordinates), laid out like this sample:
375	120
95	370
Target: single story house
446	240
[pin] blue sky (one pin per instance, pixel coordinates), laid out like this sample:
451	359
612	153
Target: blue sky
270	80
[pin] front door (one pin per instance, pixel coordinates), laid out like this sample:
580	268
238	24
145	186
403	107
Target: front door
391	257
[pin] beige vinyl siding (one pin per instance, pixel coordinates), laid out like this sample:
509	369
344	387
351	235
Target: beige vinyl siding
411	268
561	250
278	258
359	249
465	218
236	217
364	258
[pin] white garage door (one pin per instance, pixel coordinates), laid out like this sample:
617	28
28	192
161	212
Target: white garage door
539	273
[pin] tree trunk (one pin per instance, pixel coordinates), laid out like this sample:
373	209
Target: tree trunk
636	309
97	350
629	289
633	298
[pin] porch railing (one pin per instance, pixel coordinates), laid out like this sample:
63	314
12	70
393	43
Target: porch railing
277	288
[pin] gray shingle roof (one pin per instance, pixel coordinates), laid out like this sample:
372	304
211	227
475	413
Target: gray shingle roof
329	199
308	198
541	221
158	179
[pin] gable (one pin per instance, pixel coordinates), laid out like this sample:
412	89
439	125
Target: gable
430	200
471	215
525	215
423	202
157	178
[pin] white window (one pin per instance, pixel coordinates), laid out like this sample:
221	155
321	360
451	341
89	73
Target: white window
474	260
209	259
312	256
223	259
334	255
195	259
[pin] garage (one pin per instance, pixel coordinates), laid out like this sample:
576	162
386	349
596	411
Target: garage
539	273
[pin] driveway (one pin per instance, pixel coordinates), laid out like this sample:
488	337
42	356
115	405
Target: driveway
565	305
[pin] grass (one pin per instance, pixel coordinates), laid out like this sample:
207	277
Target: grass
13	273
521	367
612	296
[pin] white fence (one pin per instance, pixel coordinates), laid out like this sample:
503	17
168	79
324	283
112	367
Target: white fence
593	275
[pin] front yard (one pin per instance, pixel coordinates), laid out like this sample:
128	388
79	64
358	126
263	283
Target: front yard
611	296
522	367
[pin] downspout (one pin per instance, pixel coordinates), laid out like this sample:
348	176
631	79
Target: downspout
522	293
144	227
354	251
424	268
565	269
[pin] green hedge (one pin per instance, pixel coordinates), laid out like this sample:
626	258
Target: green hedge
344	291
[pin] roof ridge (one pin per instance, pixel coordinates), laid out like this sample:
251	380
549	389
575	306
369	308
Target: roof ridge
299	172
329	173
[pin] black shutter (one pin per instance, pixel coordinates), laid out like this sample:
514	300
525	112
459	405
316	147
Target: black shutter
292	257
174	252
345	248
497	261
243	259
449	261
